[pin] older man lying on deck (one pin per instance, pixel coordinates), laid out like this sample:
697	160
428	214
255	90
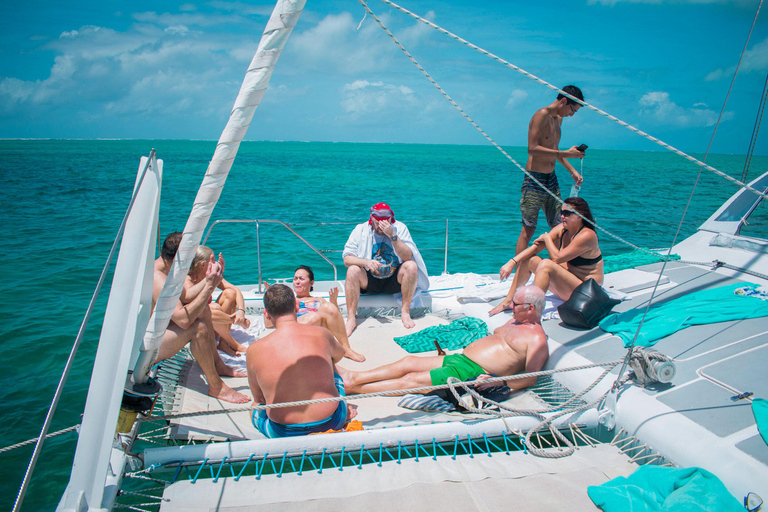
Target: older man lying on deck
518	346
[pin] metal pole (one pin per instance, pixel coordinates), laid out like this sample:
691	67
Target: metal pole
258	252
445	264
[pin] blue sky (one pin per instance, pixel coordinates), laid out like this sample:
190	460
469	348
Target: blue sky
166	69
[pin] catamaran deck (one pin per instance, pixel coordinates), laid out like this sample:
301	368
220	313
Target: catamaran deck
714	362
373	337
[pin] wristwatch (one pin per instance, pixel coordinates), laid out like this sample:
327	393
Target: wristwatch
395	238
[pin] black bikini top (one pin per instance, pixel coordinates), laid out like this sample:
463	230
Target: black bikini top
579	261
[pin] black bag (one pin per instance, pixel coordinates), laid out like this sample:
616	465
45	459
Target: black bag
588	304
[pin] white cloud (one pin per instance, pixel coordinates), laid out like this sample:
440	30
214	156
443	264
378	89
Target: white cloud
187	19
755	59
362	97
516	99
177	30
335	42
100	71
658	106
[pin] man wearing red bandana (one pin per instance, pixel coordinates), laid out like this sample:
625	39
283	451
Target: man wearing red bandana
381	257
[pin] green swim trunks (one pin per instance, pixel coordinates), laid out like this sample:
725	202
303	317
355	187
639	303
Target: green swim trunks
455	365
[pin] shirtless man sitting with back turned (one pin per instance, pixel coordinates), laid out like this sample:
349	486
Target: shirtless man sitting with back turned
518	346
295	362
191	323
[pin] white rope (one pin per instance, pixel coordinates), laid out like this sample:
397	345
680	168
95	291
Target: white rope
555	88
34	439
362	396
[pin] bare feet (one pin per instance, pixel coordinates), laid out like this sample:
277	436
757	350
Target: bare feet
227	394
407	320
498	309
351	325
225	371
351	411
227	349
355	356
346	376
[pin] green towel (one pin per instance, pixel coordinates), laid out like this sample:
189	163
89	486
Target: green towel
705	307
662	489
760	410
457	334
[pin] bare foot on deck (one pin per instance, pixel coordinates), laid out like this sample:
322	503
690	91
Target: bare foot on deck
355	356
227	394
351	412
407	320
227	349
346	376
498	309
351	325
226	371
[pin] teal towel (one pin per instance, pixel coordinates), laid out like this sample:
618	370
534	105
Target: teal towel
705	307
457	334
662	489
632	259
760	410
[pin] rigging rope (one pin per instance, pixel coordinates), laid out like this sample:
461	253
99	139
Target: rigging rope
497	146
687	205
555	88
34	439
758	122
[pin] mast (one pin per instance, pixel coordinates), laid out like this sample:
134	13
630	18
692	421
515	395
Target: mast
92	464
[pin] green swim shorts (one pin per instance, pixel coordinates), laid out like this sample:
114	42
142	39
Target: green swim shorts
455	365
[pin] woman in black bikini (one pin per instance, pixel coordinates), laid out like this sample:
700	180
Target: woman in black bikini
574	256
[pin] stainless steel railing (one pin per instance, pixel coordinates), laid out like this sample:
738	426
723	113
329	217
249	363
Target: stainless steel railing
322	252
258	222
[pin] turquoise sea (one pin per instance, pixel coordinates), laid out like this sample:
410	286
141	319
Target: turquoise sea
63	200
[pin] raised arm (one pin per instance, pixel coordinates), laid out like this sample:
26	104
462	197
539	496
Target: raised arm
582	243
535	248
186	314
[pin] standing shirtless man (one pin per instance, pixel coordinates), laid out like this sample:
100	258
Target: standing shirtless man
543	152
518	346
